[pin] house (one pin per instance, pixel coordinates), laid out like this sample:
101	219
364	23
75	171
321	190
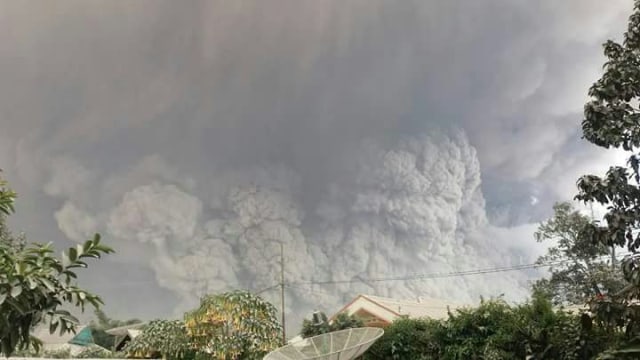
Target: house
124	334
379	311
74	343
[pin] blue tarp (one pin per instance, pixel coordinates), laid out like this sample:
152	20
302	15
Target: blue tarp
83	338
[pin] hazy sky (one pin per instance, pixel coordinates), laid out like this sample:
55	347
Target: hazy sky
376	138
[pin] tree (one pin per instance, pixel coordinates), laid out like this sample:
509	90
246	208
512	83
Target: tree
167	338
7	198
234	325
345	321
612	120
7	237
579	270
555	334
321	325
34	285
317	326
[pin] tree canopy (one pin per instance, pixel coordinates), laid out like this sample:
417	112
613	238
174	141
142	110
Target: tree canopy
7	197
234	325
322	325
612	120
579	267
167	338
34	285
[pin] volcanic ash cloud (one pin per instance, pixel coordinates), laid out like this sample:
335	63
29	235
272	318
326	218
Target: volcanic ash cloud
411	206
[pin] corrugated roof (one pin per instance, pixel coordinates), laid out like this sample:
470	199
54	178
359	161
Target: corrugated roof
124	330
432	308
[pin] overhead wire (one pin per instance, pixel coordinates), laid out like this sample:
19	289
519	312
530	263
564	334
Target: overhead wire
442	275
414	277
267	289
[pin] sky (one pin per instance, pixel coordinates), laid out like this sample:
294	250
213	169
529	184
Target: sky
372	138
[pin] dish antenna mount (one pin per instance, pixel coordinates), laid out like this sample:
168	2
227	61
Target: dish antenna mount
338	345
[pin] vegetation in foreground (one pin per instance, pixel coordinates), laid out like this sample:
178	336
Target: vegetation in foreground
35	285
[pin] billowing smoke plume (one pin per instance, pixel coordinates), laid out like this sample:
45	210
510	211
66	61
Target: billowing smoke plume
407	206
197	136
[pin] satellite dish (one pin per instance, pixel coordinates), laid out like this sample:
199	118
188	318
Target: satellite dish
338	345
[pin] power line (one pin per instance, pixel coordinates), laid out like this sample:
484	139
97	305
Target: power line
310	291
266	289
395	278
442	275
431	275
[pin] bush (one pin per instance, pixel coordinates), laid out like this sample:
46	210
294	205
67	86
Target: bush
95	352
495	330
486	332
165	337
342	321
64	353
29	352
407	339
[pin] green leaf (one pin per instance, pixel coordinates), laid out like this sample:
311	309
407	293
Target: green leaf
16	291
44	281
73	255
53	326
65	260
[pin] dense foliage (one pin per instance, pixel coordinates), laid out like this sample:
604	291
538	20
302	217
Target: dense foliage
494	330
407	339
321	324
234	325
161	338
579	268
7	198
8	238
612	120
34	285
94	352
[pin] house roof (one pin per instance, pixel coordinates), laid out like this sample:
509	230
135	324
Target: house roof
125	330
432	308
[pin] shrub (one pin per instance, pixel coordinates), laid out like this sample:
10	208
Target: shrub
407	339
30	352
495	330
342	321
95	352
166	337
64	353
